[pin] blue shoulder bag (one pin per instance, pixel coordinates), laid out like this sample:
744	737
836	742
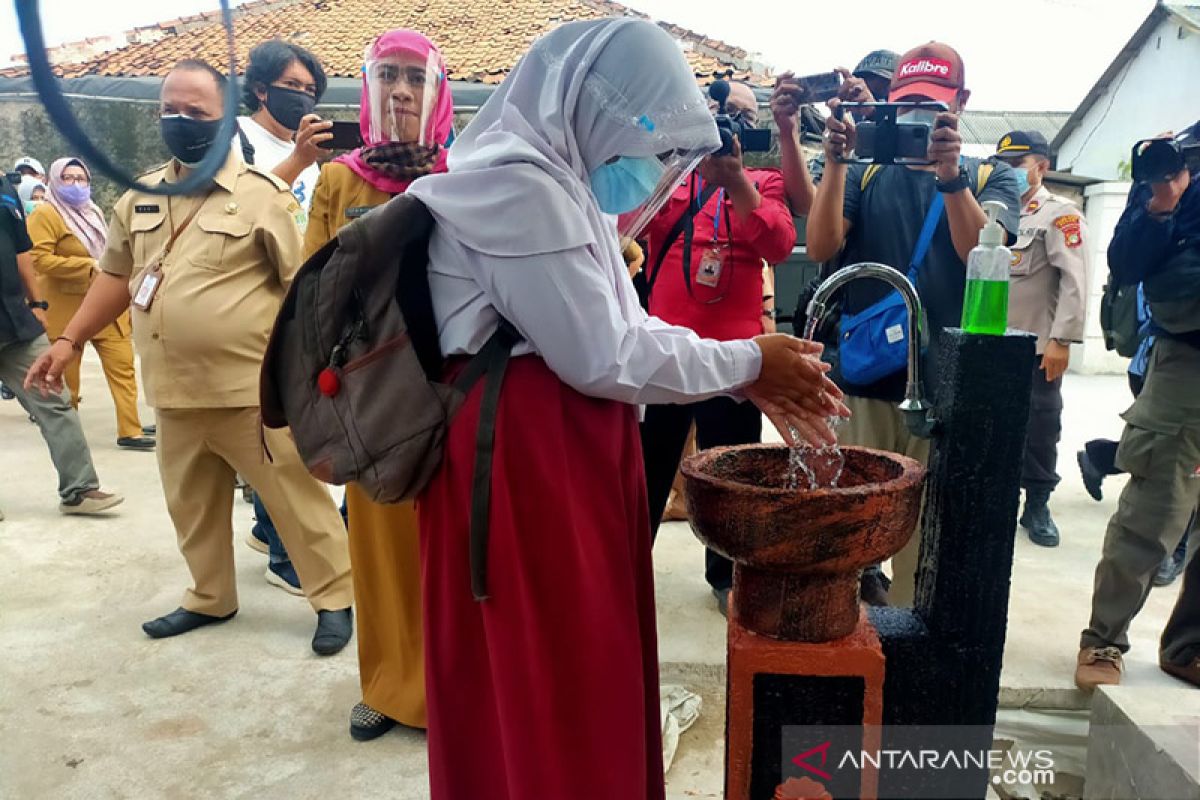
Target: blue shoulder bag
874	342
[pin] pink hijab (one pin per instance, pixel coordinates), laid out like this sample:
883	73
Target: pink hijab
86	221
407	41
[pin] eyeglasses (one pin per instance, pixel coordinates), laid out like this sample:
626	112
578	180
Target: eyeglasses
78	180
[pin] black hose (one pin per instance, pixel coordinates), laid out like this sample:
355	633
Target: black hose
64	120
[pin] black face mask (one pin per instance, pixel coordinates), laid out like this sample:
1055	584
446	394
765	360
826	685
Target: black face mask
188	139
289	106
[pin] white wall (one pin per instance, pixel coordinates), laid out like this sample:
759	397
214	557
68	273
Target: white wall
1104	204
1158	90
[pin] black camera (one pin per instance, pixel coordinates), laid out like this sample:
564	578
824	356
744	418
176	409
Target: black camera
13	177
753	140
884	140
1159	160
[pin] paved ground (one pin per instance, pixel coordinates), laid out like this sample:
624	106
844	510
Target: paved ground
91	708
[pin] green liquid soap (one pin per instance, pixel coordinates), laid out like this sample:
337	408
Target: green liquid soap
985	307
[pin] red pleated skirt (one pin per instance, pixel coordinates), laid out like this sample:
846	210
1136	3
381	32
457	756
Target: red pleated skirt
549	689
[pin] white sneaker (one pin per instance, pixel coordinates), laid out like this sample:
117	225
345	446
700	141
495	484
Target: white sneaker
92	502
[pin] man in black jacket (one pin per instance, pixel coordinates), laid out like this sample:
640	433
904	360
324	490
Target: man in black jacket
1157	243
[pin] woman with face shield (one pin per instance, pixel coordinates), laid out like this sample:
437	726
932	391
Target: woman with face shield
407	113
549	687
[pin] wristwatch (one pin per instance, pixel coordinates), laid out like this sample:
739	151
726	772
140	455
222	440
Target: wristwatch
963	181
42	304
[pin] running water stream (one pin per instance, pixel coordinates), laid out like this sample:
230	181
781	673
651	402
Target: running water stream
821	467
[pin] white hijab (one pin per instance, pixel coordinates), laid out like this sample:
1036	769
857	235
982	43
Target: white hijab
586	92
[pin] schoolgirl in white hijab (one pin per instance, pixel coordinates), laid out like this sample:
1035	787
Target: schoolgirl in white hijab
549	689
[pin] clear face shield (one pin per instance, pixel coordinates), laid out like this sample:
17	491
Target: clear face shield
673	169
402	89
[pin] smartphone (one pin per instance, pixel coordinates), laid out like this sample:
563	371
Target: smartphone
885	140
910	143
821	87
346	136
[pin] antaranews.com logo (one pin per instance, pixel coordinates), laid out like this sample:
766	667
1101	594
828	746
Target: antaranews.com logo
903	762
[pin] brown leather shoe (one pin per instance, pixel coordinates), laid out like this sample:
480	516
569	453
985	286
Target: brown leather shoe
1189	673
1098	666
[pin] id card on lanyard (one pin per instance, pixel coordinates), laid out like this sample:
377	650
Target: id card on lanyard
152	275
715	253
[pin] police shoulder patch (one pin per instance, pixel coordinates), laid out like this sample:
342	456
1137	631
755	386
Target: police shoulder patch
1071	228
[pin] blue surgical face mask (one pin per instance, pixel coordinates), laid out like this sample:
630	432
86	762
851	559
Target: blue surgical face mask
624	184
1022	174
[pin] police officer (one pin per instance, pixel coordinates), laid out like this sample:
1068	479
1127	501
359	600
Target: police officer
1157	242
1048	297
22	340
207	275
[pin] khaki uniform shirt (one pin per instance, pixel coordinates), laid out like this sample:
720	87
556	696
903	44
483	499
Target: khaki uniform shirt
203	338
1050	270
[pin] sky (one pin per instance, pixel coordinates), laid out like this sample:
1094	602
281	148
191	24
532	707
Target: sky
1029	55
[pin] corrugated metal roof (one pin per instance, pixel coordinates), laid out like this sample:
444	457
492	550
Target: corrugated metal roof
1188	12
988	127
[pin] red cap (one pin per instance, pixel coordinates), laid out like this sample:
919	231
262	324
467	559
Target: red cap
933	70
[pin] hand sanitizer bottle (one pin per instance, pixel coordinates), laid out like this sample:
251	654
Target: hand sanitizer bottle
985	306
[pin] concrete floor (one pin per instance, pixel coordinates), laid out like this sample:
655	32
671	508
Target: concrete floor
91	708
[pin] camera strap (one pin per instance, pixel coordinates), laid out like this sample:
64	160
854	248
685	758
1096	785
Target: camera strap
684	222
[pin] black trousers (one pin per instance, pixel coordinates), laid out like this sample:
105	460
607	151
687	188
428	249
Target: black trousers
1103	452
1040	470
1180	642
719	422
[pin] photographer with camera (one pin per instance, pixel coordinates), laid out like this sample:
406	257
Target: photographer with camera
706	251
1156	243
879	213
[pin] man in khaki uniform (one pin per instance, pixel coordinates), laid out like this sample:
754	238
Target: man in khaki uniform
1048	298
220	264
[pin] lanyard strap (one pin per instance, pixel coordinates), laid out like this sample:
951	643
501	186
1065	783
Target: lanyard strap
698	196
176	232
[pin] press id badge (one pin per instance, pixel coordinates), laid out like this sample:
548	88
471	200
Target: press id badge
147	288
708	271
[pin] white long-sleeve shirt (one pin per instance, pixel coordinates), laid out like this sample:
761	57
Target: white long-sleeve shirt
565	306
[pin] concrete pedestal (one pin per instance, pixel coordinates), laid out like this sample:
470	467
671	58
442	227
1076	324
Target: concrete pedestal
774	684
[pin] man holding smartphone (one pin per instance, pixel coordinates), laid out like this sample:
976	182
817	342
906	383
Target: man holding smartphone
283	84
876	213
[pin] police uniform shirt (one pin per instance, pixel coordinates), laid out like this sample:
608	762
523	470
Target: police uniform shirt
17	323
203	338
1049	270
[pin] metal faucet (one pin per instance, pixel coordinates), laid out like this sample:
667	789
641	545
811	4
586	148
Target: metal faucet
915	408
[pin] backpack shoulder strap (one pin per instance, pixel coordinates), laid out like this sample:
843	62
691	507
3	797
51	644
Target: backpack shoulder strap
867	176
981	176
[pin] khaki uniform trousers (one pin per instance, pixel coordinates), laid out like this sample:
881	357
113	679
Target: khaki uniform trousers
879	424
114	345
385	552
1160	449
200	452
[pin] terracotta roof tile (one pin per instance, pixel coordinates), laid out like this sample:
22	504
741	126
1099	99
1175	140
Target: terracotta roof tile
481	39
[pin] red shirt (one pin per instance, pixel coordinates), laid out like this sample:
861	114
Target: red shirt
732	309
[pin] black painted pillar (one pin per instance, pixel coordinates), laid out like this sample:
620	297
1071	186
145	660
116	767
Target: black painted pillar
973	489
944	656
